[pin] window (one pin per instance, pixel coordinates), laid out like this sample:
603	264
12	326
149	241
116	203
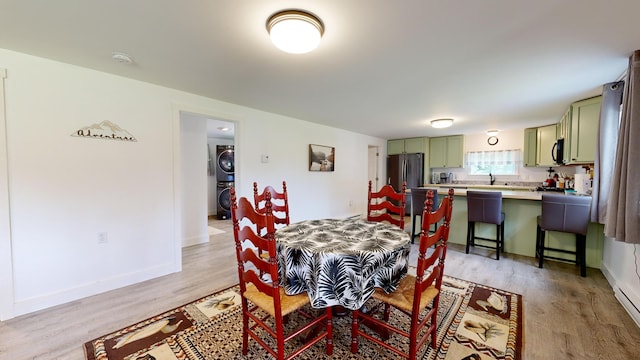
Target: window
502	162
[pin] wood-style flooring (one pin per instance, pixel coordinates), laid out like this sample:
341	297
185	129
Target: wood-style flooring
566	316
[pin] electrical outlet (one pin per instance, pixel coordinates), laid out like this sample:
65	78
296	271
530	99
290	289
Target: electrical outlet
102	238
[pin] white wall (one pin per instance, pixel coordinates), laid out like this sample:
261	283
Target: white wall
193	157
63	190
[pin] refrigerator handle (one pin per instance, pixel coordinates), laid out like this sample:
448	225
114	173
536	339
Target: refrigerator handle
404	170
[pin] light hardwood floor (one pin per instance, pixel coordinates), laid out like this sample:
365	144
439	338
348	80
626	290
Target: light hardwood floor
566	316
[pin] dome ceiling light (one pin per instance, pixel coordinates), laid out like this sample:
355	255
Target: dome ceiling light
441	123
295	31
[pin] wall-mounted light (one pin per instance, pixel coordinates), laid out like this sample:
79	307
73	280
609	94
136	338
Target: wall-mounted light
295	31
441	123
223	128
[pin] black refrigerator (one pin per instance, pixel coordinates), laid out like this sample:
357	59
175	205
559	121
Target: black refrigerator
405	167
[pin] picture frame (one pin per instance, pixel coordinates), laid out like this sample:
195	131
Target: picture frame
321	158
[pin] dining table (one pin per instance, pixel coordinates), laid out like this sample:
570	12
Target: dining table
340	262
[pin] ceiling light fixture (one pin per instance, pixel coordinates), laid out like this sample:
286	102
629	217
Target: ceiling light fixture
295	31
441	123
492	132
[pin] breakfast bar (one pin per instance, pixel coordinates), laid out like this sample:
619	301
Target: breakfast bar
522	208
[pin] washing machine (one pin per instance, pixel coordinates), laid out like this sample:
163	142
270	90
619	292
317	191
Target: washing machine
225	163
224	200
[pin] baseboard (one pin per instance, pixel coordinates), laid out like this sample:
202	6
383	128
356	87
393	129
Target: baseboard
629	300
625	295
61	297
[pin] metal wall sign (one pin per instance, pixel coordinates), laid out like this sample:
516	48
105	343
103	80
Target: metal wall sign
105	130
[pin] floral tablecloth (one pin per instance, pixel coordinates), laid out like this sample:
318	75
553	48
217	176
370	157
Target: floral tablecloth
340	262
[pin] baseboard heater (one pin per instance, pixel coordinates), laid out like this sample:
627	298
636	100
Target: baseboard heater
630	303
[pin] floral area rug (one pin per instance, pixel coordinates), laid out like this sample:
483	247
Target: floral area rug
474	322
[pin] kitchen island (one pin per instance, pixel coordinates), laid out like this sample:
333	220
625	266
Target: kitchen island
521	208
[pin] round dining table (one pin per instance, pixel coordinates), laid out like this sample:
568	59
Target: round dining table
341	261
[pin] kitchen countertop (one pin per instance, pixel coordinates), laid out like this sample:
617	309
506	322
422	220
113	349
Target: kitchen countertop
506	194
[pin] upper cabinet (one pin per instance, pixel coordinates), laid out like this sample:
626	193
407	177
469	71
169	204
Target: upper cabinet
530	146
545	141
411	145
585	116
446	152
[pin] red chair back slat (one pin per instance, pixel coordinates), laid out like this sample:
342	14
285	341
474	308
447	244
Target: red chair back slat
381	206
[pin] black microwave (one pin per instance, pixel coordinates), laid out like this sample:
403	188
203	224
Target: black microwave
557	152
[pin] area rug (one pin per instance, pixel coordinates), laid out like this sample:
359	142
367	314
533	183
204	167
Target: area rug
474	322
215	231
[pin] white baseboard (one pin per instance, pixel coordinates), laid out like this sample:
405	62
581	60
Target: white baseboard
60	297
630	302
625	295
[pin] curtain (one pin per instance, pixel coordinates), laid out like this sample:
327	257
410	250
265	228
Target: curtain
606	148
501	162
623	213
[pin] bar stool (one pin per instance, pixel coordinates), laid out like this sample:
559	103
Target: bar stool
485	207
569	214
418	197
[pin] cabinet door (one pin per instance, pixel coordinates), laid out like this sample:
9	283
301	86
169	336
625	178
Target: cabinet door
414	145
530	138
395	146
455	156
437	152
585	116
545	141
565	133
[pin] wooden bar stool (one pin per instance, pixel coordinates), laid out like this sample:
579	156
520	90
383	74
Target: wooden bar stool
569	214
485	207
418	197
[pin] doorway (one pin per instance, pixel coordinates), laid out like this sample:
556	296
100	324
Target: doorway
201	135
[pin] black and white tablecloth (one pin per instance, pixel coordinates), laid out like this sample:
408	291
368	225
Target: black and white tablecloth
339	262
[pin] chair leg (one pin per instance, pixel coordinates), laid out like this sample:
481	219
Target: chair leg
541	247
354	331
537	253
498	232
413	227
329	338
470	226
581	253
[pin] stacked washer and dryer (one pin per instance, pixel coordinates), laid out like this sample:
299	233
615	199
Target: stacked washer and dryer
225	178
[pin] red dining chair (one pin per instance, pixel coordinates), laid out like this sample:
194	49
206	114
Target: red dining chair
416	296
279	202
265	299
387	205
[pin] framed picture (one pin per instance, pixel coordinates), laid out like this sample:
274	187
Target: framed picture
321	158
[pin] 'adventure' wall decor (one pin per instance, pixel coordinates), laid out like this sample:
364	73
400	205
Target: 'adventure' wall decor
105	130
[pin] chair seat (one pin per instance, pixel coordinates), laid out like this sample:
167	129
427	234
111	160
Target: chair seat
288	303
402	298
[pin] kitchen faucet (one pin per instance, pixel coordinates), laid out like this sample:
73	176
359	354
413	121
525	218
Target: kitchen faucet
492	179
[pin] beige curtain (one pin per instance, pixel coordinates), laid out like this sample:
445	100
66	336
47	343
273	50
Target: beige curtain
606	149
623	210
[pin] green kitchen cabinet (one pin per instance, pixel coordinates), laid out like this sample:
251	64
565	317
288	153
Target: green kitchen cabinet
530	146
583	135
446	151
410	145
545	140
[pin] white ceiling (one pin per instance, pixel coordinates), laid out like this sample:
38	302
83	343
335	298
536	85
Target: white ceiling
383	68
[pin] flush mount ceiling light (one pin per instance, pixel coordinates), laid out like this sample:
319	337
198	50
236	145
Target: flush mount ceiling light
441	123
295	31
493	132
